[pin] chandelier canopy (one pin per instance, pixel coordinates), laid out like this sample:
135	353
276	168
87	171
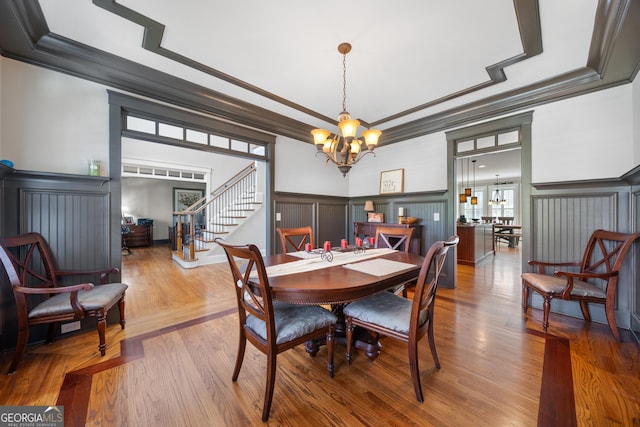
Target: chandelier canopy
345	150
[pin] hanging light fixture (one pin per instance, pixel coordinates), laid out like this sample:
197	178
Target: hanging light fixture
467	190
462	197
474	198
345	151
496	199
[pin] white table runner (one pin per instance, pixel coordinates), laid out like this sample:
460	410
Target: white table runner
316	263
380	267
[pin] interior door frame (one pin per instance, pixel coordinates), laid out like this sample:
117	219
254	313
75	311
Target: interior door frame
522	121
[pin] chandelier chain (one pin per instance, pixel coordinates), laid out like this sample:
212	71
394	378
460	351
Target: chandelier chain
344	82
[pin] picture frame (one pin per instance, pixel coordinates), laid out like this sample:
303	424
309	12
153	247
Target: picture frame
392	181
375	217
185	197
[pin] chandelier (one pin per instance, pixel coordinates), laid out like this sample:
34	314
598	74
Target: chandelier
345	151
497	199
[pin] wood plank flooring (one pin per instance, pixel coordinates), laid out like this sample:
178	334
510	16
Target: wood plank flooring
172	364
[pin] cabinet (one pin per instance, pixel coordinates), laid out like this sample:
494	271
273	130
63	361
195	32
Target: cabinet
141	235
476	243
368	229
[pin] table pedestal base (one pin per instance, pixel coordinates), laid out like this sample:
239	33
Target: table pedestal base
362	339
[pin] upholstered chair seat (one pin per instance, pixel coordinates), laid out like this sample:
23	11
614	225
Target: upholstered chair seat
293	321
95	299
387	310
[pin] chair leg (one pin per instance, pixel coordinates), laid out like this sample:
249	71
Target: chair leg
546	308
349	339
102	327
585	311
271	382
330	343
432	345
525	297
242	345
611	320
21	345
53	326
415	371
121	308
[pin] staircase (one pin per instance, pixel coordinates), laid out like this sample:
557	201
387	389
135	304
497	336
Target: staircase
218	214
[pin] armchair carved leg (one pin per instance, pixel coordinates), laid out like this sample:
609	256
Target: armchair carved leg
102	327
525	298
546	308
21	345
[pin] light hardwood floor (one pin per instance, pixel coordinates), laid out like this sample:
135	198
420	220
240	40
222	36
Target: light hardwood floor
172	364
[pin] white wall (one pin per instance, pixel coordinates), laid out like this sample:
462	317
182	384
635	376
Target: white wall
586	137
423	159
53	122
299	170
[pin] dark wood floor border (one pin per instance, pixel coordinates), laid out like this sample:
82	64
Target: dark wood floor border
75	391
557	405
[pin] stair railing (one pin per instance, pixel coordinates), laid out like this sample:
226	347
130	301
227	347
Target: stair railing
215	212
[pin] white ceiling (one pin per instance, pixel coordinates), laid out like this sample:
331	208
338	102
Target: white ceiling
405	54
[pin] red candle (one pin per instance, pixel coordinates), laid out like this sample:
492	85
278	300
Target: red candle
307	247
372	241
327	246
343	243
358	241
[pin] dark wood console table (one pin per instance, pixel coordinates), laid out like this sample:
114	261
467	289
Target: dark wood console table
368	229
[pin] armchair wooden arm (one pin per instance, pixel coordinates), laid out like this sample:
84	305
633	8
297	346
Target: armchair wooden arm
542	264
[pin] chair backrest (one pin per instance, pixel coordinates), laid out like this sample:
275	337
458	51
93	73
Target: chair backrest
394	238
29	257
605	252
295	238
427	284
487	219
506	220
253	293
29	264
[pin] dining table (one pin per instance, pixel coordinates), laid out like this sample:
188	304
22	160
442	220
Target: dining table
351	274
510	233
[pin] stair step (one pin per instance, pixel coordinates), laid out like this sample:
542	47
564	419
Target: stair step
233	217
240	210
224	225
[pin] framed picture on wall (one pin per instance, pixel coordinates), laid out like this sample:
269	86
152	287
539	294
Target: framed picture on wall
392	181
375	217
185	197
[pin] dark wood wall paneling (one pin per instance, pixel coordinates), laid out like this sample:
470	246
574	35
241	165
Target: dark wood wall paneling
562	221
72	213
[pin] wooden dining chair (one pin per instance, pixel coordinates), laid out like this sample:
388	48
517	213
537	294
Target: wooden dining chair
294	239
394	238
271	326
593	279
29	265
398	239
399	318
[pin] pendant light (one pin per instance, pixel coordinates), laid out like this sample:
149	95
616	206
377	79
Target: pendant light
467	191
462	197
474	198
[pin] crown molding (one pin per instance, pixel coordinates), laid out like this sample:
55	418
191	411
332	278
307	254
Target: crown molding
614	59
